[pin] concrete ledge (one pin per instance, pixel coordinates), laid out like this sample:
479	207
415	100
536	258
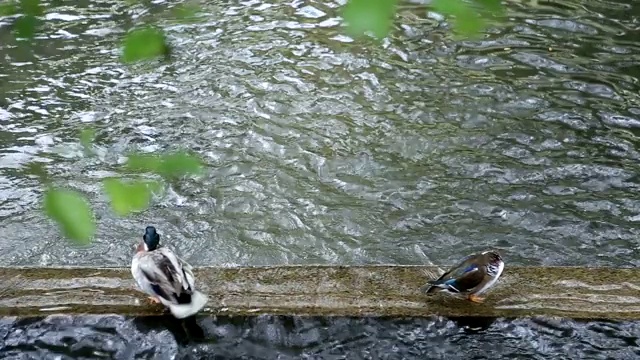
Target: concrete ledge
583	293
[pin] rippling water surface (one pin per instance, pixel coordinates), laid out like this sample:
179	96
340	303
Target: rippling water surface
265	337
321	149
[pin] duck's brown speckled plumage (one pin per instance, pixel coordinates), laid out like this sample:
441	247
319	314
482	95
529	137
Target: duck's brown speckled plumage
472	276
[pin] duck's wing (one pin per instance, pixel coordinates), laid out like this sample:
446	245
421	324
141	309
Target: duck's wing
184	274
164	273
473	276
187	270
464	276
456	270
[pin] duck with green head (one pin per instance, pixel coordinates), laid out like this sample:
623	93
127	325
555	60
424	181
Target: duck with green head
165	277
472	276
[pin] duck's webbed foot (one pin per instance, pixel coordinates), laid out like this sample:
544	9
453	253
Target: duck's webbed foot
153	300
475	299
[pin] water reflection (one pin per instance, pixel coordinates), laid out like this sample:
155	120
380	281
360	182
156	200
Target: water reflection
185	331
267	337
473	324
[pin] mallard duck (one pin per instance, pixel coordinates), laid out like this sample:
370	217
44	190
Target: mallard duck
474	275
165	277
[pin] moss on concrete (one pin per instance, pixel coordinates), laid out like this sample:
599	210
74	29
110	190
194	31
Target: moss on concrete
587	293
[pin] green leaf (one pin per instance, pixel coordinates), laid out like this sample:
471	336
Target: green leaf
37	169
492	6
168	166
128	197
375	16
468	19
185	12
25	26
72	212
179	164
31	7
9	8
86	139
143	162
144	43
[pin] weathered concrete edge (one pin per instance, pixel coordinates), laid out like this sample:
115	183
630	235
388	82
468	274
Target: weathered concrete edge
325	290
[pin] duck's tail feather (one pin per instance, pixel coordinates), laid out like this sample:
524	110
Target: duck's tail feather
437	286
181	311
430	287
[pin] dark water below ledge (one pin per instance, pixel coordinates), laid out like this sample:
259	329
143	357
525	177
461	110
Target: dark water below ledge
280	337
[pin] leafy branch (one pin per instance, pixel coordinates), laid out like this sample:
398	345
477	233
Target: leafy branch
71	209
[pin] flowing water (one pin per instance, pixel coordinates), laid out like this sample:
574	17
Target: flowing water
265	337
321	149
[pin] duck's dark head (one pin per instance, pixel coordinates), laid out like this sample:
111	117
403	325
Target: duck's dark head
151	238
493	256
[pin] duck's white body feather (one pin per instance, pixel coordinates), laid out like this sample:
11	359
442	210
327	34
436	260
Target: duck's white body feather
163	275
